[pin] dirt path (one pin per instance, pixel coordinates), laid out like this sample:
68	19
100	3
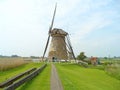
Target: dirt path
55	81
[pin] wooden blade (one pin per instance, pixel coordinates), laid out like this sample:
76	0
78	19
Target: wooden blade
53	19
46	46
71	49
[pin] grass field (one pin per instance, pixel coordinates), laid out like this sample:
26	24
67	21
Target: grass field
41	82
75	77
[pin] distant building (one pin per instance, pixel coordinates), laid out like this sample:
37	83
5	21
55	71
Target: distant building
94	60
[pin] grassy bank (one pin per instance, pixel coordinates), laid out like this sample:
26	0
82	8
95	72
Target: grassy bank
40	82
75	77
4	75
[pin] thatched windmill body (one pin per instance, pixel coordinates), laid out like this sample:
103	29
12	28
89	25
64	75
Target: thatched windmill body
60	45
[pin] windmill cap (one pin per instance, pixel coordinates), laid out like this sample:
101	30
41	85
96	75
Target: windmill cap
58	31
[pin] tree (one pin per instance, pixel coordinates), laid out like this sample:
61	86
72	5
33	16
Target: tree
34	57
81	56
15	56
105	58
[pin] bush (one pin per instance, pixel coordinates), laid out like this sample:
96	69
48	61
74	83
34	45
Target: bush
85	64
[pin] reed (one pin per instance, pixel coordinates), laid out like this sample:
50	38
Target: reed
113	70
8	63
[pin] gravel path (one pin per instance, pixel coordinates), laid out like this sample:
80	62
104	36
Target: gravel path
55	81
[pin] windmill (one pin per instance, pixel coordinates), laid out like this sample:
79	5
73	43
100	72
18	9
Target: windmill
60	46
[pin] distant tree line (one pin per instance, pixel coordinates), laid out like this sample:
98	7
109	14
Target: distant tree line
34	57
82	56
2	56
15	56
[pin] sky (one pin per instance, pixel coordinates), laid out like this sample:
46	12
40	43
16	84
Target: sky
93	26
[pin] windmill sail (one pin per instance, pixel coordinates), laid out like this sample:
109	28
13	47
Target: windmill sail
53	19
49	32
70	47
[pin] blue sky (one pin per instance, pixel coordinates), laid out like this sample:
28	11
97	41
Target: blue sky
93	25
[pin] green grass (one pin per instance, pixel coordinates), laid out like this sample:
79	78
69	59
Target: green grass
75	77
40	82
4	75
